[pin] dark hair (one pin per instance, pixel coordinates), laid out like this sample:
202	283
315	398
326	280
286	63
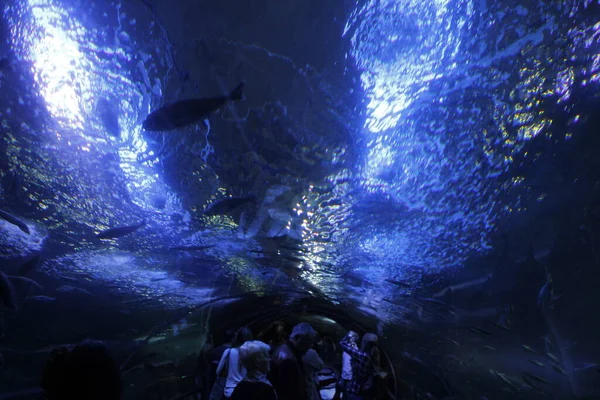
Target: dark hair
368	341
304	329
376	357
275	334
229	335
92	373
242	336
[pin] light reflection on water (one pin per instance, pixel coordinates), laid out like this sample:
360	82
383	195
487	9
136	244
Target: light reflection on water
72	73
73	81
421	150
442	159
135	273
50	40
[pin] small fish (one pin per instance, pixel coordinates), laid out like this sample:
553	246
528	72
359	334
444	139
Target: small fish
547	342
30	265
392	302
158	279
42	299
464	285
292	248
228	204
479	331
291	258
539	364
133	301
504	378
552	357
8	297
190	248
509	391
15	221
187	112
434	301
67	278
72	289
451	312
27	280
536	378
489	348
183	296
559	369
528	381
454	342
120	231
501	326
398	283
529	349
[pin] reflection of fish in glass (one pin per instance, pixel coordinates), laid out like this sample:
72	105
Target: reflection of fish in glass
187	112
15	221
119	231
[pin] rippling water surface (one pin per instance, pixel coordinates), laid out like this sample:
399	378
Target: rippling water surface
412	178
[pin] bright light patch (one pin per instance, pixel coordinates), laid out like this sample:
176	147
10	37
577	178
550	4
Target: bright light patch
73	74
60	68
396	72
380	158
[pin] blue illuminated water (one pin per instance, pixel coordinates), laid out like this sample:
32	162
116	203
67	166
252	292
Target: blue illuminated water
404	176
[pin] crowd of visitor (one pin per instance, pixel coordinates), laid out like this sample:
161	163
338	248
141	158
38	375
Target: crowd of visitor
286	367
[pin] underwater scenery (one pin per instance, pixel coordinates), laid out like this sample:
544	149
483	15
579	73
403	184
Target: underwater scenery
176	175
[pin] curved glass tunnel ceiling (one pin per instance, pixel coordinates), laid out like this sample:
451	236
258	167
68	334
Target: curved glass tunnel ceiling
429	170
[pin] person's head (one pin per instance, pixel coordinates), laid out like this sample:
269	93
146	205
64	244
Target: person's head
368	341
241	336
92	373
229	335
303	337
254	355
353	336
280	332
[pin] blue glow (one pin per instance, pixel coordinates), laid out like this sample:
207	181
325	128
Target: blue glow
392	82
71	81
419	157
60	68
72	73
136	274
